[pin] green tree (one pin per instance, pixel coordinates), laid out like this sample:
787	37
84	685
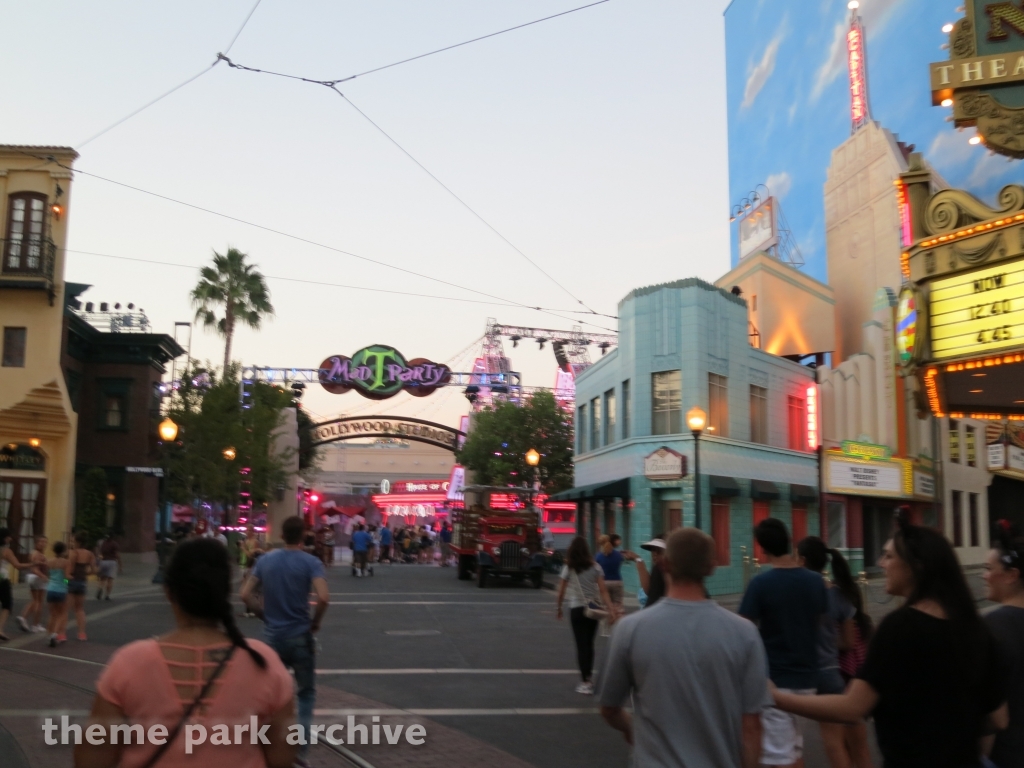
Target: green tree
239	289
500	438
91	518
211	419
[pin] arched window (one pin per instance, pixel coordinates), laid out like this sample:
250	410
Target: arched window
26	227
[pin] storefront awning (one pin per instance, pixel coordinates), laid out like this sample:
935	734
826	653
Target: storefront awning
764	490
616	489
802	494
723	487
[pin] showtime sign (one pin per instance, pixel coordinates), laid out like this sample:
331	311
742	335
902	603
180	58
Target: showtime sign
418	486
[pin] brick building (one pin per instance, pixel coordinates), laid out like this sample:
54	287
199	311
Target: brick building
113	365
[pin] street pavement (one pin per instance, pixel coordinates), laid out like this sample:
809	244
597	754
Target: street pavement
489	672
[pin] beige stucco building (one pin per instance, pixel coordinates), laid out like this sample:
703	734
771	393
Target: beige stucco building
37	423
791	314
862	228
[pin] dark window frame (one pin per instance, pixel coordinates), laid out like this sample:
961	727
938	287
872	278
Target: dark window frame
8	359
758	414
667	421
9	240
113	388
608	417
718	405
627	409
796	419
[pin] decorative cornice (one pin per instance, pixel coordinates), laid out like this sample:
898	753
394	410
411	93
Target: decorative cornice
952	209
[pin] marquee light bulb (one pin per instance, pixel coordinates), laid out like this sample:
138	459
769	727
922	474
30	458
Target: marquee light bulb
947	102
853	5
975	140
947	28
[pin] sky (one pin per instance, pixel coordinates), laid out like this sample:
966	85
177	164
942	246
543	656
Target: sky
789	102
595	142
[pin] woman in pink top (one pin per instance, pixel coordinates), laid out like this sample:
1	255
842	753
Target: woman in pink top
195	668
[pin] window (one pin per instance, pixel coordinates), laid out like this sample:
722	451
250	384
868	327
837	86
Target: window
762	511
958	519
720	530
609	417
797	423
595	423
627	409
799	524
23	249
972	511
753	303
666	403
758	415
581	430
972	448
14	347
718	405
954	441
113	403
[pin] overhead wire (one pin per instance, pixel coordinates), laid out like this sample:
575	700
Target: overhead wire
300	239
323	283
332	85
239	32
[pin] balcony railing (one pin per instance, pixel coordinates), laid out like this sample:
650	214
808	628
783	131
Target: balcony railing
28	264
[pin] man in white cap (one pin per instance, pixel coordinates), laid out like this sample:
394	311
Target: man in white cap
653	582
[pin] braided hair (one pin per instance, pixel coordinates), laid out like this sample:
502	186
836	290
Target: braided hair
198	579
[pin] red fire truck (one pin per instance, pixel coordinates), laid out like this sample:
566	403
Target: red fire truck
496	542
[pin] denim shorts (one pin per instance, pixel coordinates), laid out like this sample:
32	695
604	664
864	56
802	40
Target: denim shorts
76	587
56	597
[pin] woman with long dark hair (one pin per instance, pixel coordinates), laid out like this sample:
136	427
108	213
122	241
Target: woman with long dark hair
846	745
932	677
1003	575
583	586
204	671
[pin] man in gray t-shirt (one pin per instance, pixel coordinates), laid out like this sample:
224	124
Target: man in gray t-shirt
697	673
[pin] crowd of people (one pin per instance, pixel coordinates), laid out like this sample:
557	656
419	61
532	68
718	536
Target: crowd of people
943	685
58	581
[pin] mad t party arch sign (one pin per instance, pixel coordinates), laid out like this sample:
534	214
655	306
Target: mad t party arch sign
379	372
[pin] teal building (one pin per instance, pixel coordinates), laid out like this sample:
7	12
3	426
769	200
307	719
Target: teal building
686	344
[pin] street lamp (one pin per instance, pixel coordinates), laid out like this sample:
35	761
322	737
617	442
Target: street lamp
229	454
168	430
696	420
532	457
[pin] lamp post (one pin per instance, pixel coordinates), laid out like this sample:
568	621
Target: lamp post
696	420
533	459
168	432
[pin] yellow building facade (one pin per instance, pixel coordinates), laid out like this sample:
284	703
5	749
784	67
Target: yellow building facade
38	425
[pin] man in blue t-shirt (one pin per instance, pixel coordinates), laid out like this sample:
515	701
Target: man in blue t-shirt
287	576
446	544
361	543
787	604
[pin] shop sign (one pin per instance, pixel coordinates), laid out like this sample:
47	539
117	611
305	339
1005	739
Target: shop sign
1015	458
22	457
996	457
857	67
151	471
867	450
868	478
380	372
983	80
979	312
924	484
354	427
665	464
906	325
414	486
456	482
758	231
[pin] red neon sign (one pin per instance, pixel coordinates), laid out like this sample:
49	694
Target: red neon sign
906	223
812	417
858	74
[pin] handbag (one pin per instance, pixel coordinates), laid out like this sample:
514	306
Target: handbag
592	609
191	708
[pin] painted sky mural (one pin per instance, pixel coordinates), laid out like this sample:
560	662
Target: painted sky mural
789	102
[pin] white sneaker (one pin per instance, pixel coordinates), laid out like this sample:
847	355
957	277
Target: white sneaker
587	689
23	625
38	628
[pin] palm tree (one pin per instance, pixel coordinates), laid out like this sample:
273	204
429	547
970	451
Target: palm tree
237	287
